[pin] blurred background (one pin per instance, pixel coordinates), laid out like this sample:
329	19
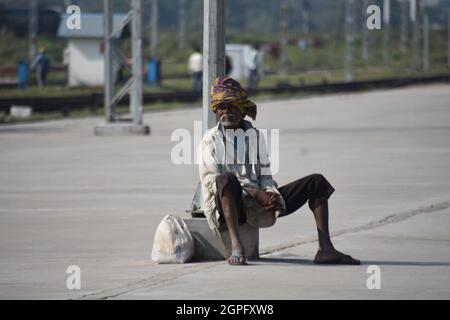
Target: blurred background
298	43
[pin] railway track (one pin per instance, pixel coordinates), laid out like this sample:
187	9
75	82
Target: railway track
95	101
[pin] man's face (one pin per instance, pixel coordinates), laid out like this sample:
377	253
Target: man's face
228	115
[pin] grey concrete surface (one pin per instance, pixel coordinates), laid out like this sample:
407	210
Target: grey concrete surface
68	197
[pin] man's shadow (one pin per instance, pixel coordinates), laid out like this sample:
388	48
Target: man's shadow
270	260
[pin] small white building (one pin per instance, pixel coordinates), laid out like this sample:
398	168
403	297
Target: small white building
84	54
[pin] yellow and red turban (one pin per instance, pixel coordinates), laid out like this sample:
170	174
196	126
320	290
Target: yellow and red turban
230	92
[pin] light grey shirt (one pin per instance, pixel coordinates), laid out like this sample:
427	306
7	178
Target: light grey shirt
248	160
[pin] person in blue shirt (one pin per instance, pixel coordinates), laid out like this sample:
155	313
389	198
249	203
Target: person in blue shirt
41	65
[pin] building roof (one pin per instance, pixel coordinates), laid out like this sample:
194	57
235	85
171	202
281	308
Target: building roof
91	26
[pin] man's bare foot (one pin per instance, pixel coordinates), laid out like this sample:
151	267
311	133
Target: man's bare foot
237	259
334	257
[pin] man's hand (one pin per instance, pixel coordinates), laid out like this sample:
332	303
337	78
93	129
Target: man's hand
268	200
273	201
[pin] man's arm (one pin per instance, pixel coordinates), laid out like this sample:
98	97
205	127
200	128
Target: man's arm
208	166
35	62
266	182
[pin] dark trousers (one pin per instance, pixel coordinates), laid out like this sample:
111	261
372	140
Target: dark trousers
41	77
253	79
313	189
197	82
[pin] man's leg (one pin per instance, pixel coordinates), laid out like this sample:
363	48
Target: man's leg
321	217
316	190
197	82
229	194
40	80
44	78
327	254
252	80
194	82
231	218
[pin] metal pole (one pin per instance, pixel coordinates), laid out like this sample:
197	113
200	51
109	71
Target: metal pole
133	86
386	29
305	16
348	60
154	28
448	47
403	26
284	35
182	31
136	34
33	27
213	54
365	33
108	61
426	43
414	20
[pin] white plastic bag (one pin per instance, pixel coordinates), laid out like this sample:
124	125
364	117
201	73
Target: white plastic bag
173	241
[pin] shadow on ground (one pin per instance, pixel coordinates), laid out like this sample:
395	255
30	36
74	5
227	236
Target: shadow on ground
363	262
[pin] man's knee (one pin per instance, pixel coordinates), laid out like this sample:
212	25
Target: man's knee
319	181
230	182
318	177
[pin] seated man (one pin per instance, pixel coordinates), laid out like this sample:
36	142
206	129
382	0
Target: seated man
242	190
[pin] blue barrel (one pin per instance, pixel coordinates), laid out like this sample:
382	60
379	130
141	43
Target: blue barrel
154	72
22	75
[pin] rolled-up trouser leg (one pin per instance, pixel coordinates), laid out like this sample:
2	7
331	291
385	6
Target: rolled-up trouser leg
229	181
314	188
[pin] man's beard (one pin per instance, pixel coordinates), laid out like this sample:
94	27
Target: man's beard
229	120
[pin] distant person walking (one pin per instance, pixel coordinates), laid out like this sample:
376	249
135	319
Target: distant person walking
254	62
41	65
195	68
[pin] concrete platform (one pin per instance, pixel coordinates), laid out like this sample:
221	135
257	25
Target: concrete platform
68	197
413	257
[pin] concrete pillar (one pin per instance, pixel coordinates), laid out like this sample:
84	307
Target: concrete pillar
415	30
108	60
348	59
182	27
306	16
284	26
426	43
33	27
403	26
386	30
365	32
448	46
154	28
213	54
136	35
